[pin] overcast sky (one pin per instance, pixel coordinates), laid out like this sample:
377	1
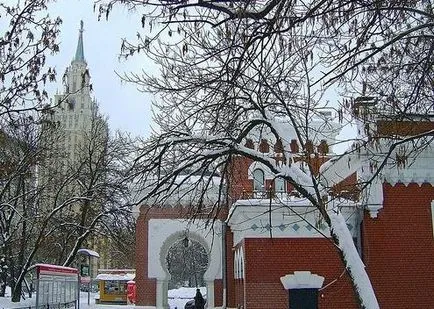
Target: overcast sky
127	108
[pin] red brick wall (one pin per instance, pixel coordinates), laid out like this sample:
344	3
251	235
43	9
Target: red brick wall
399	248
239	297
218	294
403	128
146	287
238	284
266	260
241	187
239	182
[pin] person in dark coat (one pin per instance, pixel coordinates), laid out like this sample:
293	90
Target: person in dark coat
199	302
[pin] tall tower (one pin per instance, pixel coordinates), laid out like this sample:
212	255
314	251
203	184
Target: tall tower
74	110
74	140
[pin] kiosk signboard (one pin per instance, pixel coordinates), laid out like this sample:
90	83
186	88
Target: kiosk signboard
56	285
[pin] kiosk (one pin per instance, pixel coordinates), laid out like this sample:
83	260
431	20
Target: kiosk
113	285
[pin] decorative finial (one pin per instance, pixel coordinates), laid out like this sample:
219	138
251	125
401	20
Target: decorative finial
81	25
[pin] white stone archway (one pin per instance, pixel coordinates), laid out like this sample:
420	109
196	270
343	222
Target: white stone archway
163	234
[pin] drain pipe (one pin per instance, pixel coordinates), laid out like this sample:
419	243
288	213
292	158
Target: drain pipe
224	274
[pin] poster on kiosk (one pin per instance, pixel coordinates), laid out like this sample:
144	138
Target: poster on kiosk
56	285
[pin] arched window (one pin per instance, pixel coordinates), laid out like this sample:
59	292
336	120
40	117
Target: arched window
279	185
236	267
258	180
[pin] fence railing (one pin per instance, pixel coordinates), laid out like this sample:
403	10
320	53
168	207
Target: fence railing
72	304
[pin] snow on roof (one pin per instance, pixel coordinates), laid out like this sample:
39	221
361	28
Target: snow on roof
116	270
187	190
318	130
292	201
88	252
116	277
54	267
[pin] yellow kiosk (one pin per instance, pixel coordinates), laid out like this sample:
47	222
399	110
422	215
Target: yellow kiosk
113	285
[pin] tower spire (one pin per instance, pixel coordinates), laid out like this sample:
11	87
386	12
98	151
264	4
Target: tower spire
79	53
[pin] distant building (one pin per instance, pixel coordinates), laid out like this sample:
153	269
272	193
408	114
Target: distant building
75	140
74	111
274	240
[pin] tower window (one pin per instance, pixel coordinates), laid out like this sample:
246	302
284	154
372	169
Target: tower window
279	185
258	180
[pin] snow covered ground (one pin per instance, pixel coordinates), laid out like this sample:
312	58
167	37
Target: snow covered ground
177	299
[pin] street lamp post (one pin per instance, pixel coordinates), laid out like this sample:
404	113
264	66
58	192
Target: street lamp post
89	253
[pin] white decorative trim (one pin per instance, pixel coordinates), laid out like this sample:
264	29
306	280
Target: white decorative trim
407	182
373	210
210	293
236	265
302	280
242	271
163	233
259	165
375	198
239	264
161	294
419	170
432	216
251	219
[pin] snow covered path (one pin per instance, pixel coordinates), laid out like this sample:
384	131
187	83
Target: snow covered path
177	299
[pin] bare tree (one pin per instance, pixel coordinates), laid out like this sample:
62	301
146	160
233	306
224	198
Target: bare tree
228	70
18	194
52	206
74	202
93	184
31	35
119	229
186	263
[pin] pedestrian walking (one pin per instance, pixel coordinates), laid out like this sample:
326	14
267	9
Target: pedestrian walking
199	302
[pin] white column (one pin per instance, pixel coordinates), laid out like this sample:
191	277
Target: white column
161	294
165	296
210	294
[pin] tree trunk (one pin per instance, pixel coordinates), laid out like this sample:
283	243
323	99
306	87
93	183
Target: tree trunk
2	286
3	275
17	288
16	291
350	257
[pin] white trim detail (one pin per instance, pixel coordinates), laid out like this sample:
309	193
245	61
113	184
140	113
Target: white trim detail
239	264
250	219
375	197
302	280
242	272
163	233
259	166
236	266
432	216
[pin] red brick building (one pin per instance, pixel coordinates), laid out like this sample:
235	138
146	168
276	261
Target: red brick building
275	238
